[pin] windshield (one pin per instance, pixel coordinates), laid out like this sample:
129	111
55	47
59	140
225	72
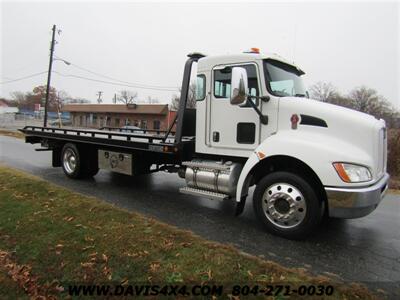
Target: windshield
283	80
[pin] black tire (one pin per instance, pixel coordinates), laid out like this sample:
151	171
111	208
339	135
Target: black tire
298	203
71	161
85	162
90	165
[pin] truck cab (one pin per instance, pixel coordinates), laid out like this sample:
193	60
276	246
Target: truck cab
307	159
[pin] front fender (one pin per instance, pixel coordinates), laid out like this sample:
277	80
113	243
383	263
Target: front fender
315	149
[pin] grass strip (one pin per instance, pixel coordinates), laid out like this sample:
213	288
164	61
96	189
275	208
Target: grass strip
16	134
65	237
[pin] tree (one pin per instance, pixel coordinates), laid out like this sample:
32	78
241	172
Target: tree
19	98
39	96
40	92
367	100
191	101
362	98
341	100
127	97
323	91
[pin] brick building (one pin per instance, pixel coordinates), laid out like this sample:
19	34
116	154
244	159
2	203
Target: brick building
146	116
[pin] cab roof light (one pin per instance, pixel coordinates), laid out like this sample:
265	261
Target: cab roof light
253	50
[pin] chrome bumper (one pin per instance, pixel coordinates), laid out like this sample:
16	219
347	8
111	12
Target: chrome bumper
349	203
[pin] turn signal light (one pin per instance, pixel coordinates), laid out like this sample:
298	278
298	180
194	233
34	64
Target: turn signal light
341	172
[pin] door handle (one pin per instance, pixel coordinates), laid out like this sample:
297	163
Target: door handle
215	136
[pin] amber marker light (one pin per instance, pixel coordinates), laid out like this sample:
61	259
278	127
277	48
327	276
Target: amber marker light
341	172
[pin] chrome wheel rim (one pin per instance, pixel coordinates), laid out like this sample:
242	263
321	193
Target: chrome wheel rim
69	161
284	205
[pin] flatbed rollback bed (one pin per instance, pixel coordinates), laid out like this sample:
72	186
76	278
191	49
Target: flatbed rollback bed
159	149
166	150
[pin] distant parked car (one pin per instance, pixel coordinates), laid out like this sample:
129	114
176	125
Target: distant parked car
131	129
64	122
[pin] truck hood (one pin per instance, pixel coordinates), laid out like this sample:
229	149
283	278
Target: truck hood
357	129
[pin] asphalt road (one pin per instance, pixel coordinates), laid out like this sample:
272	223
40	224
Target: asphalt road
363	250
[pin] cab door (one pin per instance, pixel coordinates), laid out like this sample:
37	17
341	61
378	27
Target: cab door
233	129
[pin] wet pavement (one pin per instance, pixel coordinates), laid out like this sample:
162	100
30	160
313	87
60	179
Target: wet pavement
363	250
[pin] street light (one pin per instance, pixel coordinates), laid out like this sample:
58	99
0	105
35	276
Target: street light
63	60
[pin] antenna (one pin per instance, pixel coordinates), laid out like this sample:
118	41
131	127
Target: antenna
295	39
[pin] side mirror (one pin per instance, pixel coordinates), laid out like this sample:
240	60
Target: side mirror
238	86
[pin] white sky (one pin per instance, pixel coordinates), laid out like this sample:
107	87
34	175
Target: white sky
347	44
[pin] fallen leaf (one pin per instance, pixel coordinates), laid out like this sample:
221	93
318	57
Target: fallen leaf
87	264
89	239
154	266
88	247
59	288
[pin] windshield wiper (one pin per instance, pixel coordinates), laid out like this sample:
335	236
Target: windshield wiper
300	95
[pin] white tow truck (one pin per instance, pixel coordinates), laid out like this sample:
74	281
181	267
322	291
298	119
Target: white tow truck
253	126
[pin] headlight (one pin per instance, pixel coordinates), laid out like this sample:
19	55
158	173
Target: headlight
352	173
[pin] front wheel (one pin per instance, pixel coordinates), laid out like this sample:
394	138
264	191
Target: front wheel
287	205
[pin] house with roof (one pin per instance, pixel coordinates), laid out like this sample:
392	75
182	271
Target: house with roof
5	108
145	116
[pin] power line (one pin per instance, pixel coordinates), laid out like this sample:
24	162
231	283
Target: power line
8	78
22	78
18	70
115	79
115	83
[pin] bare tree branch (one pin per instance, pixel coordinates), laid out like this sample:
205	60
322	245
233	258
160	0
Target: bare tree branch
127	97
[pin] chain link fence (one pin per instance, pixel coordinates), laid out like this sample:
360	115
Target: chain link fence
17	121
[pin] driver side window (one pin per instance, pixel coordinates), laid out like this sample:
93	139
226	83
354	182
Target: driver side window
222	81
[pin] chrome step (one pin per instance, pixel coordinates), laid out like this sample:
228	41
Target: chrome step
203	193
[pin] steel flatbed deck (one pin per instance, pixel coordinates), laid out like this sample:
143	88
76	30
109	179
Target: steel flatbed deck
108	138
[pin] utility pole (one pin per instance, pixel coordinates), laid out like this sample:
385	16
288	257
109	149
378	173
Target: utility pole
99	93
49	77
115	98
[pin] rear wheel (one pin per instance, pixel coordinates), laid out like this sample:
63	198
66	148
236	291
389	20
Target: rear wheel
78	163
71	161
287	205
